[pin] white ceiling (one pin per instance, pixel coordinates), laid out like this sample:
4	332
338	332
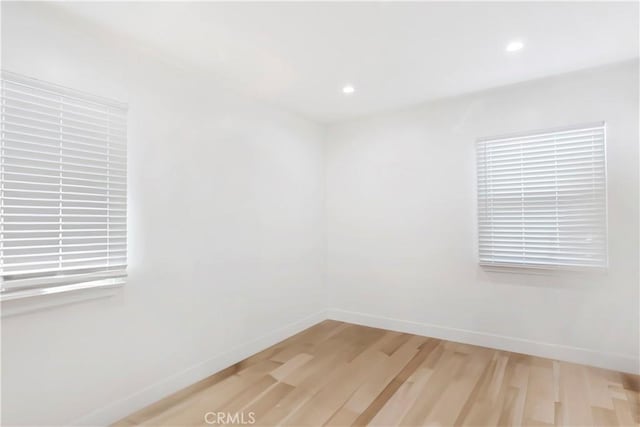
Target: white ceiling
300	55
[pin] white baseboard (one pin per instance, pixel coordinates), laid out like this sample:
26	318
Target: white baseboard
138	400
617	362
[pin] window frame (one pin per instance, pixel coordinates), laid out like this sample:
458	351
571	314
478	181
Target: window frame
522	267
77	279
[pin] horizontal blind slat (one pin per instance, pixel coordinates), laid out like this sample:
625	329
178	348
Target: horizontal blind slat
52	148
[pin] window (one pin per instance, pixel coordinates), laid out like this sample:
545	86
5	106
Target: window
63	195
542	199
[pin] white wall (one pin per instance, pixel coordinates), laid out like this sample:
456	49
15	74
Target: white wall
401	206
226	233
227	229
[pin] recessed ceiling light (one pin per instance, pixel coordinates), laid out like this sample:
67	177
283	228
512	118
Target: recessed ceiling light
348	89
514	46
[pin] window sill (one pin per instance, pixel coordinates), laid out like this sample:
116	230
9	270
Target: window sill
21	302
542	270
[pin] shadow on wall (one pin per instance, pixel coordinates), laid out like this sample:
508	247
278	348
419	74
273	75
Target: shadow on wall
542	278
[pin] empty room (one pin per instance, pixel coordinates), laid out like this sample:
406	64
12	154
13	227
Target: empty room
320	213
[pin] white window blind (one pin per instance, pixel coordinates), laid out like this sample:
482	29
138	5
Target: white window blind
63	189
542	199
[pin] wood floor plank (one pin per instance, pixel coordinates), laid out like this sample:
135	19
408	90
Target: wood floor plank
340	374
307	382
574	395
426	350
450	362
281	372
457	391
342	384
403	399
376	381
540	401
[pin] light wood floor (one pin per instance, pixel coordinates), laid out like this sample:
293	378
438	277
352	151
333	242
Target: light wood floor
341	374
